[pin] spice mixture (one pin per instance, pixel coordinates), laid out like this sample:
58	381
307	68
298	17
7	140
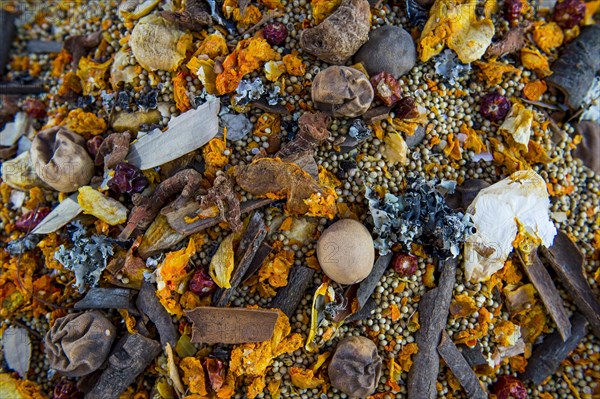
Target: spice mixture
300	198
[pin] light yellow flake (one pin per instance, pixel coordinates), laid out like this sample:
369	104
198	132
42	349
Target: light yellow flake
99	205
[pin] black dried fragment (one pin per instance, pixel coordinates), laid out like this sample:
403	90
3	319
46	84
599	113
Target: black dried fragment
147	302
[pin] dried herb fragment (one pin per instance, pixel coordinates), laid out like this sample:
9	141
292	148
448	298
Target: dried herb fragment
509	387
127	179
107	298
386	88
16	347
195	15
148	303
405	264
32	219
223	195
289	297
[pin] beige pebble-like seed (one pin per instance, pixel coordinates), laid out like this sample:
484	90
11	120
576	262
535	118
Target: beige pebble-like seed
345	251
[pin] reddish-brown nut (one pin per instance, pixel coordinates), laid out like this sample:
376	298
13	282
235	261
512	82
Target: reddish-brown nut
387	88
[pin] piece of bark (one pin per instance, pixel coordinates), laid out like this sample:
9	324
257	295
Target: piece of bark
511	43
548	355
376	114
60	216
81	45
364	313
540	278
306	161
107	298
460	368
473	356
464	194
433	314
274	109
129	359
253	236
588	150
263	251
8	29
43	46
148	303
213	325
289	297
573	72
21	90
185	133
567	261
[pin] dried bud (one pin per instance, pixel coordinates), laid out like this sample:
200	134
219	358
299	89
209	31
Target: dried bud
569	13
275	33
216	372
512	11
35	108
386	88
127	179
406	108
66	389
509	387
405	265
30	220
202	284
494	106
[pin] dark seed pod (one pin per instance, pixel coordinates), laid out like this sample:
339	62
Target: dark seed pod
405	264
509	387
355	367
512	11
494	106
569	13
201	284
275	33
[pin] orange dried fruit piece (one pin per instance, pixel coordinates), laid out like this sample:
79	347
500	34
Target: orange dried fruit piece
463	305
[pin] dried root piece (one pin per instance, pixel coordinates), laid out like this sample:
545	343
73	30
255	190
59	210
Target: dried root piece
273	178
313	131
80	46
146	207
340	35
511	43
222	194
113	150
194	17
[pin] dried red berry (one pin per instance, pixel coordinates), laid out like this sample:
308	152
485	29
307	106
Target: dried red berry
275	33
494	106
66	389
569	13
508	387
216	372
512	11
387	88
202	284
30	220
406	108
127	179
93	144
405	265
35	108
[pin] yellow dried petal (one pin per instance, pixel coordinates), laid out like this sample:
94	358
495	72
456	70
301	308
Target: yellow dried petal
205	70
222	263
396	149
193	375
304	379
274	69
294	65
99	205
548	36
532	59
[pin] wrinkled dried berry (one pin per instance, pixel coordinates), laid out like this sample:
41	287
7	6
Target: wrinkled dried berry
35	108
201	284
569	13
275	33
216	372
127	179
509	387
405	265
512	11
494	106
406	108
30	220
386	88
66	389
93	145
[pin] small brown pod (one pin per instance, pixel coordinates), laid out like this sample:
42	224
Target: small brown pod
342	91
340	35
79	343
60	159
355	367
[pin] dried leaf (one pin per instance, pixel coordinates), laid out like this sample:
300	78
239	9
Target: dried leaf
16	346
66	211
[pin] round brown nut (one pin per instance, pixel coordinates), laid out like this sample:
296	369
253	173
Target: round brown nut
342	91
345	251
60	159
340	35
355	367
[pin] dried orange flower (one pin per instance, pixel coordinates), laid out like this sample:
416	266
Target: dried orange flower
294	65
70	83
463	305
93	74
214	45
247	57
534	90
305	378
193	375
274	69
532	59
405	356
275	270
548	36
179	92
60	63
473	141
171	276
493	72
205	70
85	123
321	9
453	149
251	16
272	4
